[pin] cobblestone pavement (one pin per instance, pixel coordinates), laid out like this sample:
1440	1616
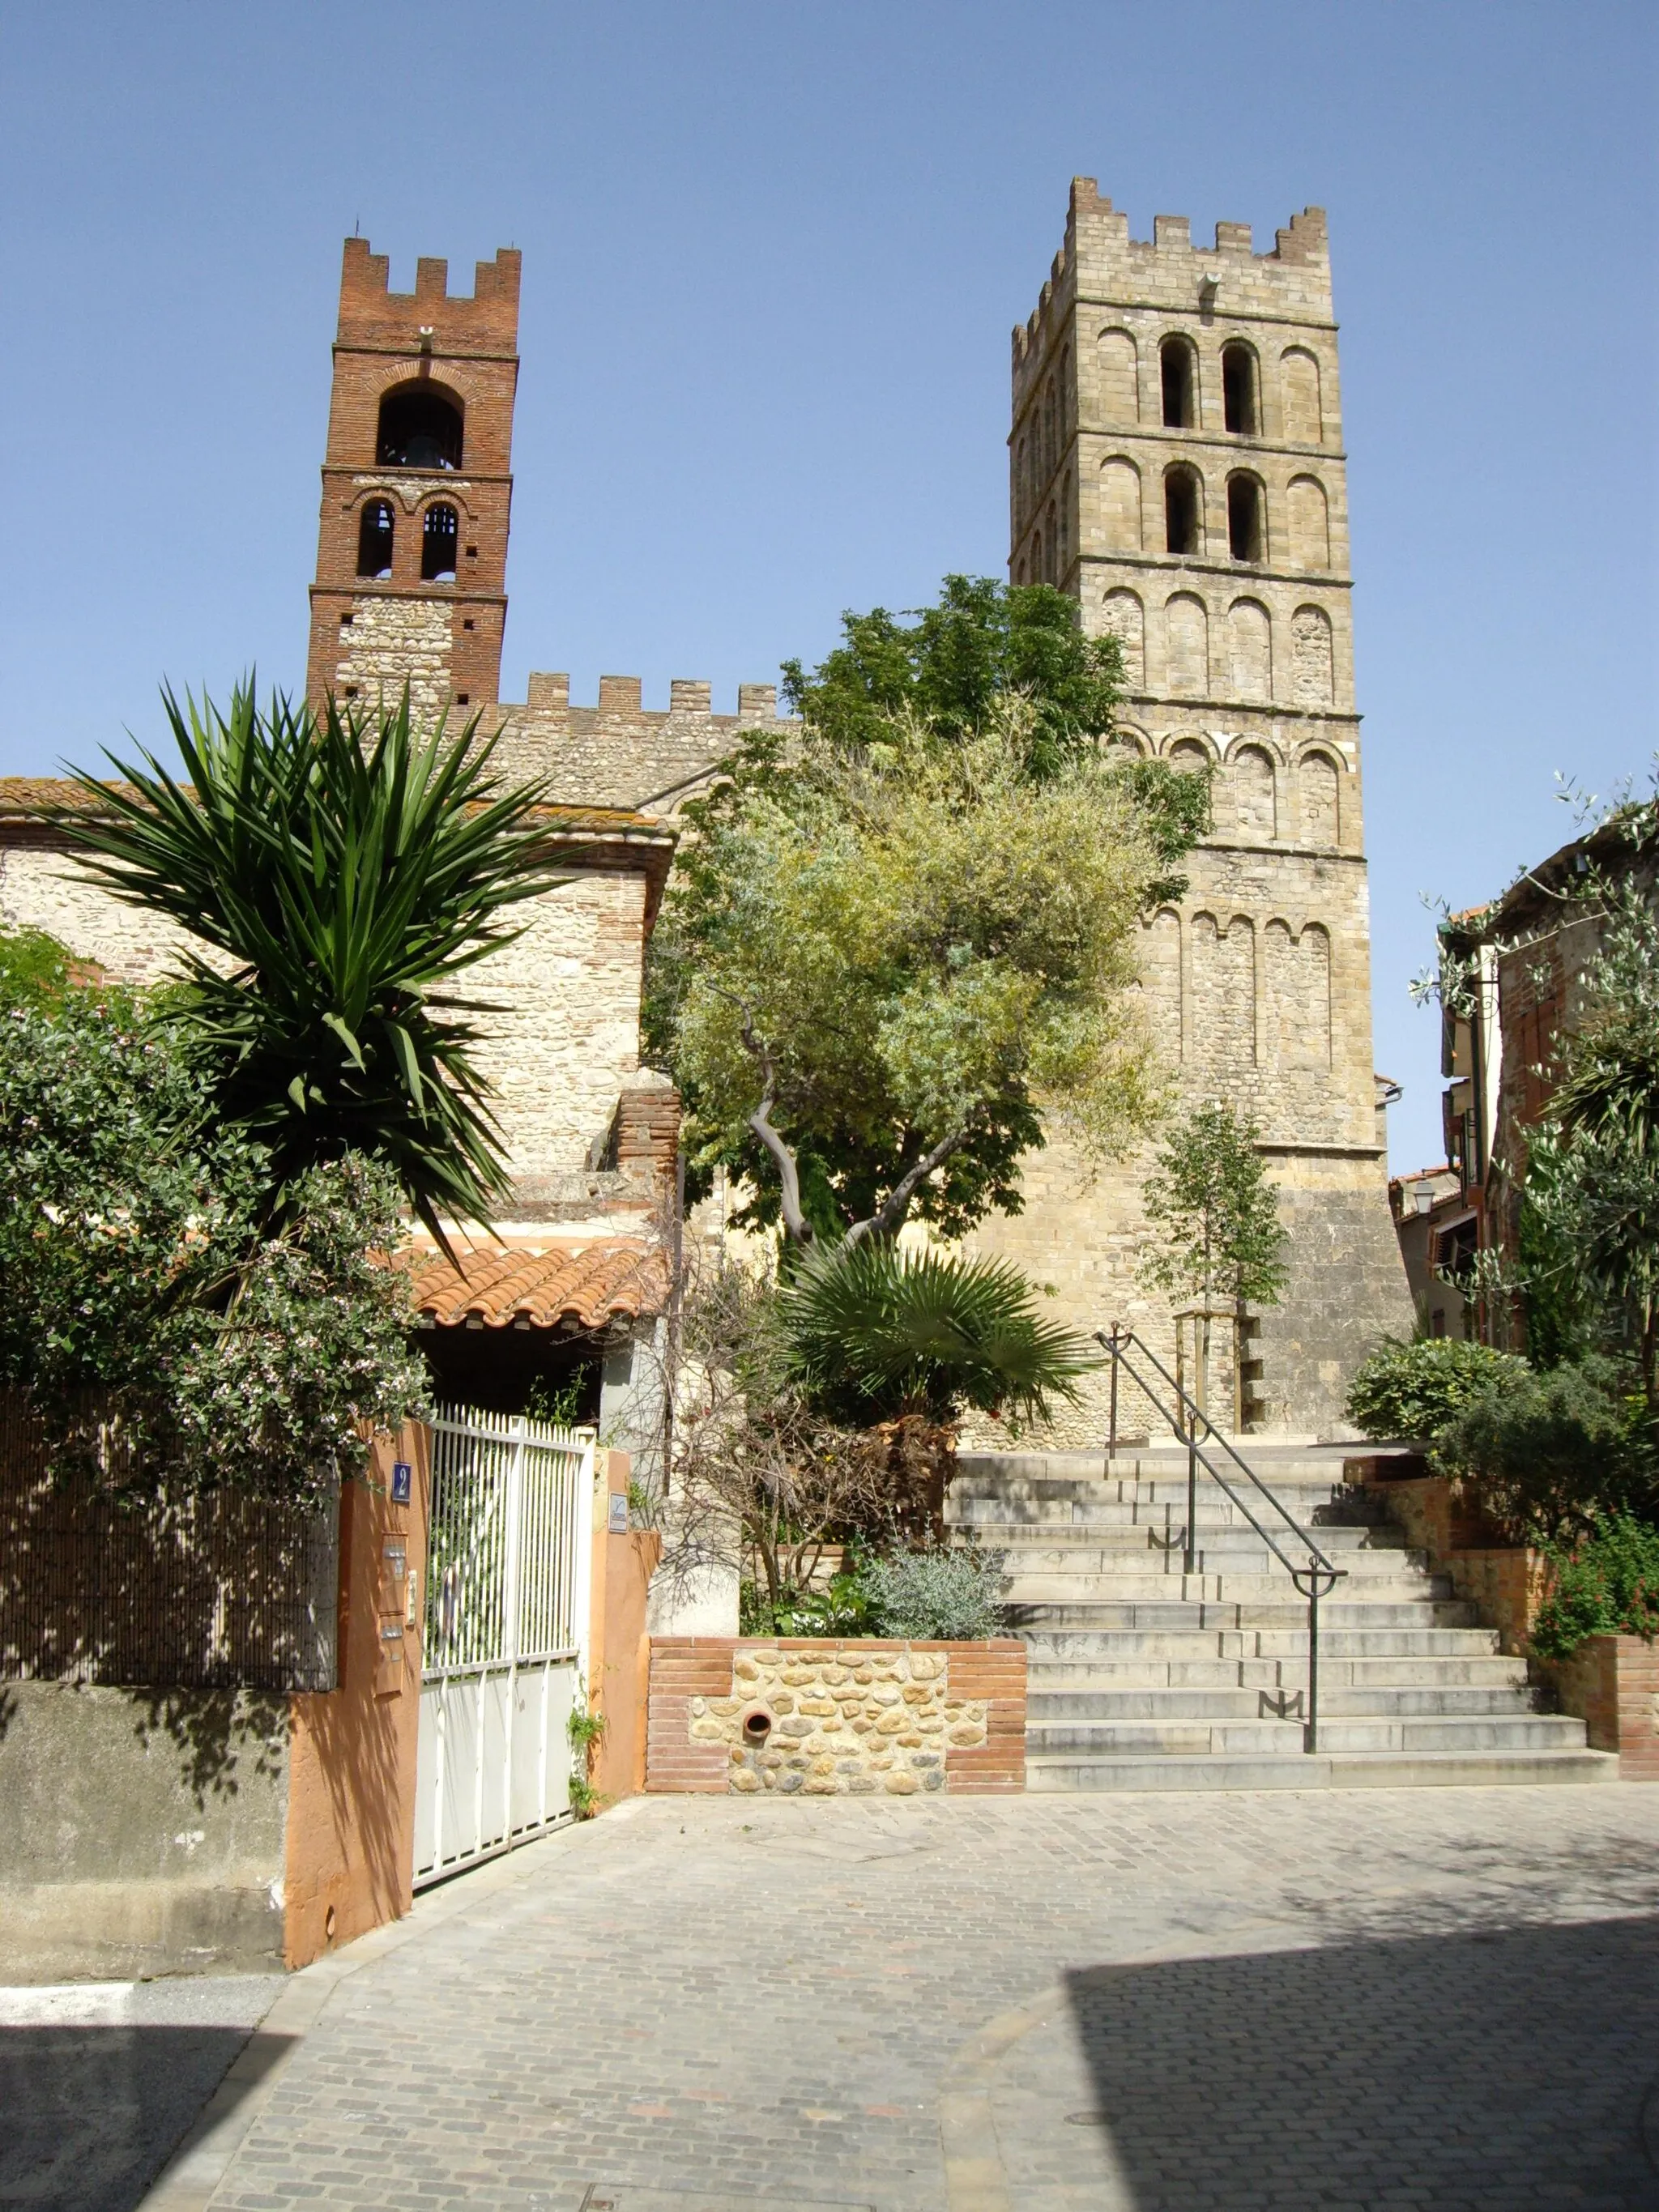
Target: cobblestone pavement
1442	1999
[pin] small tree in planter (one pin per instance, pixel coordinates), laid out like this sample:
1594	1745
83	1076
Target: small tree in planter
1222	1238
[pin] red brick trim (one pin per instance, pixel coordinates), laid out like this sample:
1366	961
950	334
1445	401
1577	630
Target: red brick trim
1612	1683
995	1672
683	1667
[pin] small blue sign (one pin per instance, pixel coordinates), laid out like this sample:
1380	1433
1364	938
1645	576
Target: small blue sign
403	1479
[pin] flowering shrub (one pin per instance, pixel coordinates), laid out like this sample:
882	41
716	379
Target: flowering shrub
1607	1585
159	1330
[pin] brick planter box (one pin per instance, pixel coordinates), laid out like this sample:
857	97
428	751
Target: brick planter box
1507	1581
824	1717
1612	1683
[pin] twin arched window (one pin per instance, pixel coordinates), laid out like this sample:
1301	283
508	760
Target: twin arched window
1239	411
1246	536
376	530
1178	371
1183	510
440	532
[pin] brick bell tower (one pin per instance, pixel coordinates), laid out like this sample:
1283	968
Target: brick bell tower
418	487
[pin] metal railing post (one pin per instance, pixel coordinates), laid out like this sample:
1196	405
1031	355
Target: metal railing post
1190	1562
1310	1734
1321	1575
1111	1433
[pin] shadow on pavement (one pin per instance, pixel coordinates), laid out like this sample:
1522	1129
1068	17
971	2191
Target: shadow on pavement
88	2116
1514	2068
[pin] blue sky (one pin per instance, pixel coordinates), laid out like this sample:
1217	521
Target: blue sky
772	257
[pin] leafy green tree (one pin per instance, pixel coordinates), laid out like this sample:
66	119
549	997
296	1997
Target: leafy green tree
1592	1171
952	667
346	872
949	665
878	968
1221	1237
163	1329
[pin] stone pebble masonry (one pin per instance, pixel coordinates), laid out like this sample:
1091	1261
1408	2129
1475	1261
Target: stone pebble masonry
825	1718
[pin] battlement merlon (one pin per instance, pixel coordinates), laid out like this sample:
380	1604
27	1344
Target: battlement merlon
621	697
373	315
1100	263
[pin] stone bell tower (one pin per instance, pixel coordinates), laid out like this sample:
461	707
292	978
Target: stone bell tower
418	487
1177	467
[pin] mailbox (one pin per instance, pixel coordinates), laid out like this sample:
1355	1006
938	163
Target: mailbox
389	1659
394	1568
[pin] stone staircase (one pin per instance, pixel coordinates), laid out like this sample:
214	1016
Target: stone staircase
1142	1677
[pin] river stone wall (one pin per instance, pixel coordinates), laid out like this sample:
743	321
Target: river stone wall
863	1716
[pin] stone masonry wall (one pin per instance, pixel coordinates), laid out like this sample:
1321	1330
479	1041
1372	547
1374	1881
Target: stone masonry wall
1238	661
567	991
826	1718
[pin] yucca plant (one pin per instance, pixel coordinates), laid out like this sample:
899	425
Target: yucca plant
878	1334
350	868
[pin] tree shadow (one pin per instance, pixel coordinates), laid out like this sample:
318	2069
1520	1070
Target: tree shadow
221	1736
92	2114
1512	2067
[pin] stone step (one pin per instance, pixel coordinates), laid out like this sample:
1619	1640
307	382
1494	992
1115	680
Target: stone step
1323	1770
1189	1642
1168	1615
1170	1482
1151	1586
1445	1670
1273	1466
1218	1574
1151	1532
1223	1738
986	1523
1055	1708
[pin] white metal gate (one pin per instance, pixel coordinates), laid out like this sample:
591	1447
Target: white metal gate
509	1566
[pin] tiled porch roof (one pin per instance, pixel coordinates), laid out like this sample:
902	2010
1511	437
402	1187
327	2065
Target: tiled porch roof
498	1286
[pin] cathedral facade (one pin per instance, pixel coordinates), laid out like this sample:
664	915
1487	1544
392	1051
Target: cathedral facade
1177	466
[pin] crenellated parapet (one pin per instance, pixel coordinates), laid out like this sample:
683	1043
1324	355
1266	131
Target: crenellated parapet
373	314
1100	263
617	751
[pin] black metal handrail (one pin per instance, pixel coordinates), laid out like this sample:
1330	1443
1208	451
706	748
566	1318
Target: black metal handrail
1321	1575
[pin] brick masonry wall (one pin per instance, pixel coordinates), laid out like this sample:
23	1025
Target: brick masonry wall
1508	1582
854	1718
1612	1683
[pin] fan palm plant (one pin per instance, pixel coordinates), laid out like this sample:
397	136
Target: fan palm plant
347	869
880	1333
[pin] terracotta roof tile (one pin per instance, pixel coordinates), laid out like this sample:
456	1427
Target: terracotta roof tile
498	1285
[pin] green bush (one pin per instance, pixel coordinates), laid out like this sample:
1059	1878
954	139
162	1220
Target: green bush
953	1593
1411	1390
1548	1453
1607	1585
